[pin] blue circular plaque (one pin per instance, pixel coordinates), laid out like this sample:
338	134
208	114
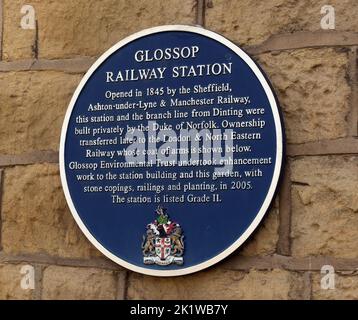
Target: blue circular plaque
171	150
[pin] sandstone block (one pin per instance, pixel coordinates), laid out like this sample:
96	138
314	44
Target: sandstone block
217	284
69	283
33	106
312	90
253	21
17	43
325	206
263	241
345	288
10	283
86	27
35	217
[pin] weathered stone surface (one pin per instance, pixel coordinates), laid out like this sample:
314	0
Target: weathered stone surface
264	239
346	287
33	105
325	206
68	283
86	27
218	284
253	21
10	283
17	43
35	217
313	92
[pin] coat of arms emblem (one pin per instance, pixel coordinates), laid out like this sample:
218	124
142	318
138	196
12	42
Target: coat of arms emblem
163	243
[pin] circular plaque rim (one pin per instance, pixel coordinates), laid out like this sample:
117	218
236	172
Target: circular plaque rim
278	161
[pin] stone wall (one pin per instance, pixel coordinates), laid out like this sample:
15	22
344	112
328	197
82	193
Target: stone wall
314	218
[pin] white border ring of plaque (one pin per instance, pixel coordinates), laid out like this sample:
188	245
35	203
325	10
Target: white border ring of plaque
278	163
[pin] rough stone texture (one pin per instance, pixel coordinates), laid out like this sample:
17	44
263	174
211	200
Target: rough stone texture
86	27
313	89
35	217
325	206
264	240
313	92
32	109
253	21
10	283
218	284
18	43
346	287
68	283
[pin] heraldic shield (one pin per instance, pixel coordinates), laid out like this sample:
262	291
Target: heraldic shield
163	243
